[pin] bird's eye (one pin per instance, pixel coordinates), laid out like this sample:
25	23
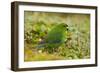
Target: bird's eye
67	29
66	25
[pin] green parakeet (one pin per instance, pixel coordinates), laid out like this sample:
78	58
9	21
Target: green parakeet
55	37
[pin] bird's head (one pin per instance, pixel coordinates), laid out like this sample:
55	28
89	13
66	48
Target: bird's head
64	26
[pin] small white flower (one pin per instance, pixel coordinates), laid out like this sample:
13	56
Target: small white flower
40	51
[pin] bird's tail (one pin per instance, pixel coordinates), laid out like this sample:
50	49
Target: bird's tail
40	46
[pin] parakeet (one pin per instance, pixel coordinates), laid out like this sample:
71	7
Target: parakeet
55	37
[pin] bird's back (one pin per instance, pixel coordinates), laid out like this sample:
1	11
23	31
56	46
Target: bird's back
56	35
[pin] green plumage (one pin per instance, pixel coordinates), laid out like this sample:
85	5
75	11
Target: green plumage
55	37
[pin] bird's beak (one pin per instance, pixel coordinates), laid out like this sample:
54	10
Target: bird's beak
67	29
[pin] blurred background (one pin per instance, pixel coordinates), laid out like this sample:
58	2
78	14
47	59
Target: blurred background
38	24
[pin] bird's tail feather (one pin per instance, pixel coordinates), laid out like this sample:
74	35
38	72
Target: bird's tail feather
39	46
